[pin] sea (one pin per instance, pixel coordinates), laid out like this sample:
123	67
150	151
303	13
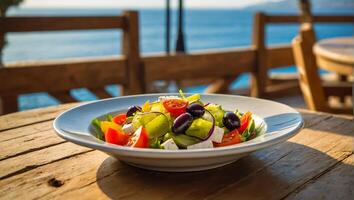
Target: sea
204	29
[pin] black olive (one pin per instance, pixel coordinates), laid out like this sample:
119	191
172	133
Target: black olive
196	110
231	121
132	110
182	122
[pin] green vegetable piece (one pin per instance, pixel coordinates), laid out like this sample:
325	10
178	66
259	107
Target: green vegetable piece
245	134
238	113
260	128
156	144
109	118
182	141
97	127
158	107
199	128
217	112
250	132
143	119
182	94
193	98
251	126
166	137
158	127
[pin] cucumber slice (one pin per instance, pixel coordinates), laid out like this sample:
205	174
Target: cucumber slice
199	128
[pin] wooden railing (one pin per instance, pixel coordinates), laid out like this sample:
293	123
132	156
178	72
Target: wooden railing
58	77
134	72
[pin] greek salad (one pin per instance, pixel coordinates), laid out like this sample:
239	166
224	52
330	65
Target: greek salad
177	122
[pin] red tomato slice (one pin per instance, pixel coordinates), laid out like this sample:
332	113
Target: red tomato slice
116	137
120	119
229	139
139	139
175	106
244	121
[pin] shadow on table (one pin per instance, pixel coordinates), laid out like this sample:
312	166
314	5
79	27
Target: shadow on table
343	125
275	171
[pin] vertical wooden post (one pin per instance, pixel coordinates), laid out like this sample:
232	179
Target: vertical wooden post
259	75
305	61
131	50
8	103
2	40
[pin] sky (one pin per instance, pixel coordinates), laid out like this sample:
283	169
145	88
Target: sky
139	3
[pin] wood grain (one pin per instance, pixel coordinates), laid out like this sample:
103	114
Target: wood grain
33	116
306	165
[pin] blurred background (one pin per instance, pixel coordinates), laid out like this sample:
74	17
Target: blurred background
207	25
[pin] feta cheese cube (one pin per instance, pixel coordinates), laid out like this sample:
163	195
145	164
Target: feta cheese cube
163	98
207	117
128	128
169	145
217	134
201	145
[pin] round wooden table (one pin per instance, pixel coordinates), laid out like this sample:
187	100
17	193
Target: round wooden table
336	54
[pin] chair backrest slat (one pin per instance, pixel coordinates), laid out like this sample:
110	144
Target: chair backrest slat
310	81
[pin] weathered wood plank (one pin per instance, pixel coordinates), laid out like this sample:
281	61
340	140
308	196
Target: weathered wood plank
34	23
158	185
20	119
61	75
336	181
203	64
64	170
23	131
16	165
28	143
102	178
295	169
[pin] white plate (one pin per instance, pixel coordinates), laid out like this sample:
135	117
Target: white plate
282	122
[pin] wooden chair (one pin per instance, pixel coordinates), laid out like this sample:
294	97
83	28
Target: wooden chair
59	77
316	92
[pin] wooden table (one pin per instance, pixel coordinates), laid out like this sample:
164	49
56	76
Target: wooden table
336	54
318	163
